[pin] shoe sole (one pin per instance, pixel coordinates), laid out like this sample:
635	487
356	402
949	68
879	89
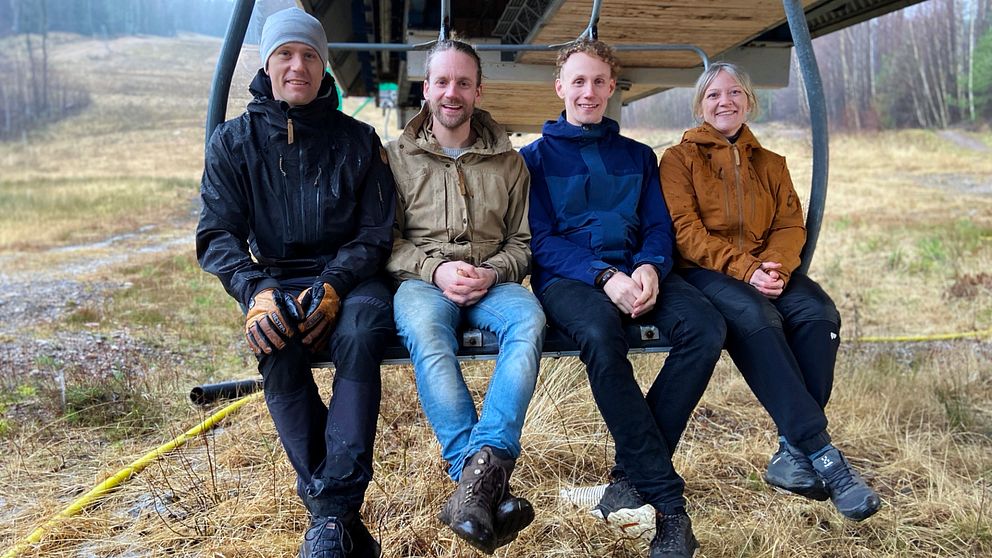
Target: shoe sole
818	494
874	504
632	523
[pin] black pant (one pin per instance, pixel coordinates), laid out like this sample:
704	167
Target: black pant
785	348
331	446
646	431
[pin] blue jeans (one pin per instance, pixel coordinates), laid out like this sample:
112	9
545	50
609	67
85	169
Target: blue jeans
427	323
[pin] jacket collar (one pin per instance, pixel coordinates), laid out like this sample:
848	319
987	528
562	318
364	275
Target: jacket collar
563	129
276	112
708	136
490	137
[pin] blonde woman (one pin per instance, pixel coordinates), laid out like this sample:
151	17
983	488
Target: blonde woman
739	232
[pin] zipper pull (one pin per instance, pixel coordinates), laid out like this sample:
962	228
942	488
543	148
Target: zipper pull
315	180
280	167
737	157
289	130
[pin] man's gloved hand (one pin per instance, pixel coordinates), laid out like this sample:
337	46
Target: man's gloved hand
272	319
321	304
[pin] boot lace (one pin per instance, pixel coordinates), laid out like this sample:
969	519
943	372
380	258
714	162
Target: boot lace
328	538
486	487
671	534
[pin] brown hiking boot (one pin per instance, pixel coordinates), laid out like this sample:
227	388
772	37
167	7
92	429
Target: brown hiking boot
481	510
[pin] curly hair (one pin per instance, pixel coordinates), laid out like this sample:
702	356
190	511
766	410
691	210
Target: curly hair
597	49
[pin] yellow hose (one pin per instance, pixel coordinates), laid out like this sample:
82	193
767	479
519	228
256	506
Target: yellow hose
933	337
126	473
136	467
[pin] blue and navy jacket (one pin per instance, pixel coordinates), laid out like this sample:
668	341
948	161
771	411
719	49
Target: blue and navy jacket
595	202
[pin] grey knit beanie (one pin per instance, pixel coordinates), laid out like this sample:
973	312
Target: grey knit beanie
292	25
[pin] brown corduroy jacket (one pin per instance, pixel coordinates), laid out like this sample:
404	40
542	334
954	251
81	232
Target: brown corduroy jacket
733	205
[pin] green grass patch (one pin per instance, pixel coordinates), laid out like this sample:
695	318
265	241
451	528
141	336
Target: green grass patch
172	297
43	212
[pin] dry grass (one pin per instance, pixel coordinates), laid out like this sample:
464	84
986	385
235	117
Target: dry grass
902	251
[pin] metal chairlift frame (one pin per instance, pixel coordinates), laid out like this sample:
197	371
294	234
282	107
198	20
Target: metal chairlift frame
477	345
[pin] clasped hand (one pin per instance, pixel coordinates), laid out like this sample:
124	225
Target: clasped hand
767	279
463	283
634	294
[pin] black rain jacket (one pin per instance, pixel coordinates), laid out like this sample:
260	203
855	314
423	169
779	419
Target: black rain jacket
321	205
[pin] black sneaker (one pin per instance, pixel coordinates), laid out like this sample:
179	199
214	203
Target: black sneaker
849	493
790	470
622	507
326	538
673	537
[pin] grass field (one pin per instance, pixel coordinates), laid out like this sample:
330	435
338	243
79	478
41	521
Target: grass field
906	250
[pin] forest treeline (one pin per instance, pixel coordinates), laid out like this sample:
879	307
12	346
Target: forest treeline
32	94
926	66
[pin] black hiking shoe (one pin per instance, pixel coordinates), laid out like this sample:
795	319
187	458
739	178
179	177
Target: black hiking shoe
622	507
673	537
470	509
848	491
334	537
326	538
790	470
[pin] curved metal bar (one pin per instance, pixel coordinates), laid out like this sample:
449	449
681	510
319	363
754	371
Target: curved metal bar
591	31
220	88
640	47
818	124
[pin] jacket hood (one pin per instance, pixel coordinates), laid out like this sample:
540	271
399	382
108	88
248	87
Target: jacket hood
708	136
563	129
490	137
263	101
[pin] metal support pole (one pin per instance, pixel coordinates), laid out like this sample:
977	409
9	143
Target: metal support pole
592	30
220	89
445	31
818	126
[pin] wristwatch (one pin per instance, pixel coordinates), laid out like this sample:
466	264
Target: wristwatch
605	276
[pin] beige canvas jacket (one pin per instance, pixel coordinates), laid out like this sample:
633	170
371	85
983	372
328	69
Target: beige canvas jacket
473	209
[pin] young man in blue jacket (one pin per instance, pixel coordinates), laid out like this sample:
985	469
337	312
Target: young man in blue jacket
602	243
296	222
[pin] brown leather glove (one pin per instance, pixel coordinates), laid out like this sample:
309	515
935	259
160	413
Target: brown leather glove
321	304
272	319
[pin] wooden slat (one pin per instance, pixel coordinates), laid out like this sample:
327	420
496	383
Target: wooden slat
526	105
714	26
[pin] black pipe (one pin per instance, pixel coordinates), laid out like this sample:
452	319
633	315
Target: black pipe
210	393
818	126
220	88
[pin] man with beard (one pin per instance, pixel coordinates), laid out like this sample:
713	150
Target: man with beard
297	207
460	251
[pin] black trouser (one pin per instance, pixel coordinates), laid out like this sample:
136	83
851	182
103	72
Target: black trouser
646	431
331	447
785	348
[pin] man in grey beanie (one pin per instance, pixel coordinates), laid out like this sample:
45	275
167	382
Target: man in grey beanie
296	222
